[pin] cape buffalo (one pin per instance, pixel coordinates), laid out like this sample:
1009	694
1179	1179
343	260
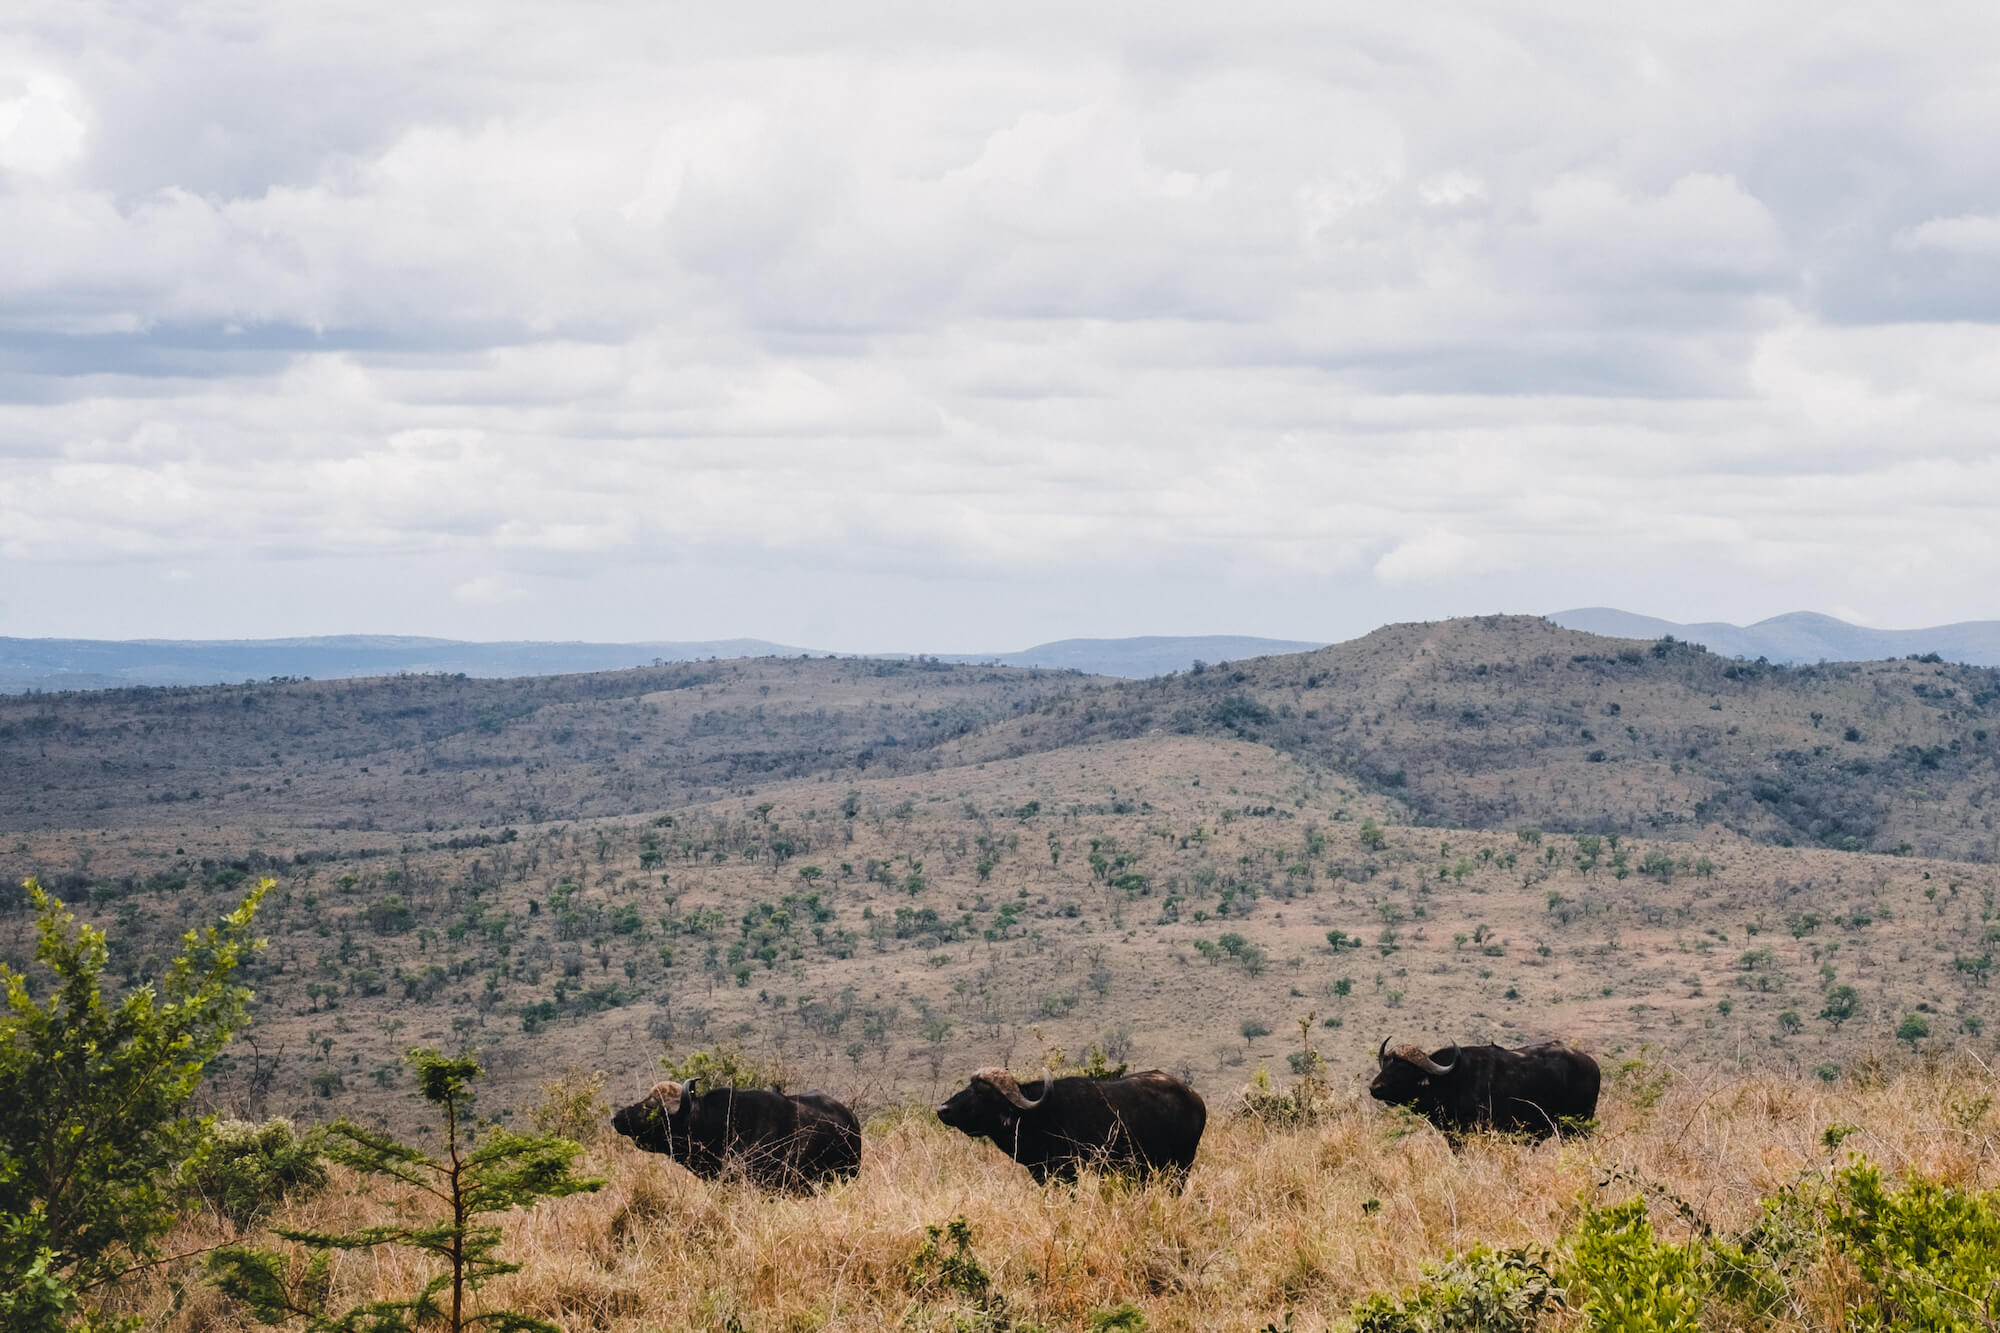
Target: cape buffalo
1463	1089
1055	1127
776	1140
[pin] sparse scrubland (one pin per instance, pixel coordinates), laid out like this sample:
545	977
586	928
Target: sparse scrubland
1177	901
1763	897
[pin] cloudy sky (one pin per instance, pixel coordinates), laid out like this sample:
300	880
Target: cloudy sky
926	326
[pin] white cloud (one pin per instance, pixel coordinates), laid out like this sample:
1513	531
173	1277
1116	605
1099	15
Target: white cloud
1975	234
41	129
489	590
1427	557
1334	312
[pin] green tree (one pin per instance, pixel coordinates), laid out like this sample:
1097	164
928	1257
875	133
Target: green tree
1841	1003
1913	1029
93	1106
469	1180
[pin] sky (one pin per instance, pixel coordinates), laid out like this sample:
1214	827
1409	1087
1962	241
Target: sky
924	326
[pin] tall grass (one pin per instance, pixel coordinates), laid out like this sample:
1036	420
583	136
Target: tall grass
1272	1222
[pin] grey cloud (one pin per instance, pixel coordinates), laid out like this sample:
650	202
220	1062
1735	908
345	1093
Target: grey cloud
1324	310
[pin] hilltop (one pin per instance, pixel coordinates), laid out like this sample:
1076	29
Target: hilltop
1500	721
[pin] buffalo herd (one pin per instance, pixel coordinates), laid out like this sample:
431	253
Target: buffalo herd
1146	1123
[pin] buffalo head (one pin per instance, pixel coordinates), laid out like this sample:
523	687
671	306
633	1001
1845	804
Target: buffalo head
1406	1075
654	1120
989	1104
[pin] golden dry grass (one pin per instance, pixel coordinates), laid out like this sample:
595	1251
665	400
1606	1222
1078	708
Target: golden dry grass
1272	1221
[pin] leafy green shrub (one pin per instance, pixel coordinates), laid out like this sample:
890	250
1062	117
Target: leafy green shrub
1620	1276
1306	1101
1480	1291
245	1170
93	1106
1931	1253
572	1106
944	1269
724	1067
1094	1063
390	915
1922	1257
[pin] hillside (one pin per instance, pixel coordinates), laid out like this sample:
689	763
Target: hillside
58	664
1169	899
876	875
432	752
1501	721
1481	723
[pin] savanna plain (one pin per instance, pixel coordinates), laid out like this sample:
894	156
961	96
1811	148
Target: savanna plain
1762	897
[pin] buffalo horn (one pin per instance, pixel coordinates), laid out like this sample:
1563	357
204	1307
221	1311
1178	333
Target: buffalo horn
668	1095
1382	1055
1003	1083
1431	1066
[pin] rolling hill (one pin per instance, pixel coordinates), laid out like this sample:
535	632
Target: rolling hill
873	875
1491	722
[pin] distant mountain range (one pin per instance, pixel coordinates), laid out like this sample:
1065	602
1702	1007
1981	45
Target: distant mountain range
1136	658
89	664
84	664
1800	636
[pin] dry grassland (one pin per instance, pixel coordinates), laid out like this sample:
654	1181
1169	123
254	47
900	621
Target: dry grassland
1273	1222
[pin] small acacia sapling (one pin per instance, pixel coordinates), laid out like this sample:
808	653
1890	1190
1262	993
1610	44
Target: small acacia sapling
469	1180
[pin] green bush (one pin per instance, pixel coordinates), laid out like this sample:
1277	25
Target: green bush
1620	1276
1931	1253
1480	1291
944	1271
724	1067
1928	1257
244	1171
93	1106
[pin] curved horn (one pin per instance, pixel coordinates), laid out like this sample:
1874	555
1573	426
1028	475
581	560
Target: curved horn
668	1095
1382	1055
1431	1066
1003	1083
